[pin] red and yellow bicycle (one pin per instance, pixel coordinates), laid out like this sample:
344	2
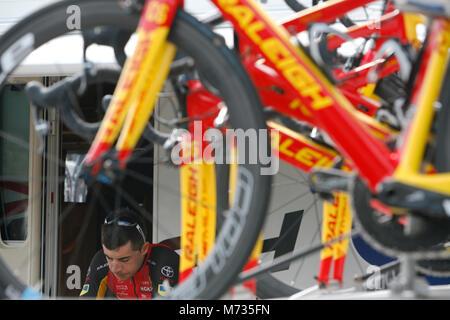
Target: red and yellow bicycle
318	102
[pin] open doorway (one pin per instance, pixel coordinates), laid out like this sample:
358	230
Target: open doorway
84	206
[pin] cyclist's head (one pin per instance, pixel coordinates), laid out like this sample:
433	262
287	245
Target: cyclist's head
124	243
123	226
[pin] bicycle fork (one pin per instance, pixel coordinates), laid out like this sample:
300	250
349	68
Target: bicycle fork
337	221
198	206
142	78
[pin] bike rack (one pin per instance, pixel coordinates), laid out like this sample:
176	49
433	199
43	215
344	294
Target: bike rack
407	286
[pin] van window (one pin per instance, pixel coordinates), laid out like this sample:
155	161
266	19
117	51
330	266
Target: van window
14	163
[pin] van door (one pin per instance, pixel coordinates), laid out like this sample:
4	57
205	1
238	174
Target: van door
20	190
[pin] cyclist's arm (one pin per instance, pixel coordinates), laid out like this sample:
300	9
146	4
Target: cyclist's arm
164	263
95	283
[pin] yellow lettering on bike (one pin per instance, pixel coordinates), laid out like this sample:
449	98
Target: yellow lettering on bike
191	150
226	3
242	14
305	111
344	225
149	80
116	113
308	156
315	93
157	12
253	30
444	40
278	54
189	179
305	155
145	39
330	215
296	74
284	148
297	104
207	216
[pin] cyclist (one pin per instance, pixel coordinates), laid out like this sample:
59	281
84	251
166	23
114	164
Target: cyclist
128	266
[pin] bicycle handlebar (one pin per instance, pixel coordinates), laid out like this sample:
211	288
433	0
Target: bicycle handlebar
63	95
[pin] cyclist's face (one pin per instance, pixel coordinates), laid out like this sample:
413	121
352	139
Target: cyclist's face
124	262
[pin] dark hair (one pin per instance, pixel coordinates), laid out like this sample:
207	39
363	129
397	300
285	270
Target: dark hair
115	236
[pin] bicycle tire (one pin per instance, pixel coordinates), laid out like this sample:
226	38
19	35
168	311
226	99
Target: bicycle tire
270	287
224	70
441	267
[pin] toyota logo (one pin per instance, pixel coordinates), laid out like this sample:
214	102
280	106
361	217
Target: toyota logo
167	271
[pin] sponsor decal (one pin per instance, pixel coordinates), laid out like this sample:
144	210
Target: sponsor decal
121	287
102	266
146	289
167	271
162	290
85	289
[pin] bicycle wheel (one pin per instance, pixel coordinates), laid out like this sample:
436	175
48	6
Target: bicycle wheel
394	229
294	223
221	69
294	226
393	236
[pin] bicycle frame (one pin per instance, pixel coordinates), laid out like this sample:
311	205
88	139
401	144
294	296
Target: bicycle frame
353	84
133	100
391	24
427	89
297	150
321	104
408	170
315	101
